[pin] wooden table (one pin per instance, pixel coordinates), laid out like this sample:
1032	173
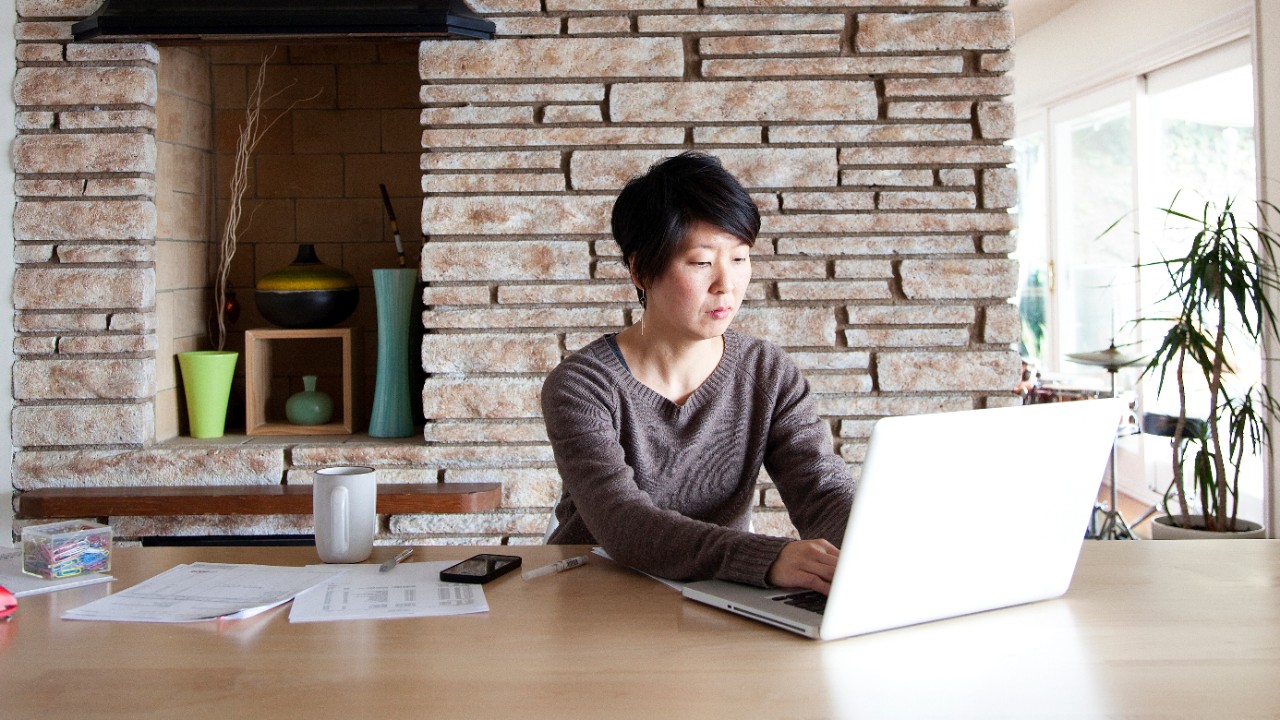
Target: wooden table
1132	638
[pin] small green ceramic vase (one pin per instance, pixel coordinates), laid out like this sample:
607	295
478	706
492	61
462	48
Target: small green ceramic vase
309	407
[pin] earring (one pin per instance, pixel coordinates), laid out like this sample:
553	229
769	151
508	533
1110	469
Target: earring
644	303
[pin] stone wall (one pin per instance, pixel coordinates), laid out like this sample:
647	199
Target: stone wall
871	139
871	136
183	191
84	232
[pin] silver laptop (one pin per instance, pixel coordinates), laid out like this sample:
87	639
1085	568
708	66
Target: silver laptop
955	513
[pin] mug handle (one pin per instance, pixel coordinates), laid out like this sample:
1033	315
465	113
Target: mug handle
338	505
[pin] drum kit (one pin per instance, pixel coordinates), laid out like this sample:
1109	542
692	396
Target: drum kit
1107	522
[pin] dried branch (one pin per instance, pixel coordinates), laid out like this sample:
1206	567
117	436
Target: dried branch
251	133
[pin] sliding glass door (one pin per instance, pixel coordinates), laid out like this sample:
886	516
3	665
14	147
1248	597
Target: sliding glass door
1092	215
1199	148
1094	172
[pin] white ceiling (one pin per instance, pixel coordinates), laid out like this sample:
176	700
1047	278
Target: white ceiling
1029	14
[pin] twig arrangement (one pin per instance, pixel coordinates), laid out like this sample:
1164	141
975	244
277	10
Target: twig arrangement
251	133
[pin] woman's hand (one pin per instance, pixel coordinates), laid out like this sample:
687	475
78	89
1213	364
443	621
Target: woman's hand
806	564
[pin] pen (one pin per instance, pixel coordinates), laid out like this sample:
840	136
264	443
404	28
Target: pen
388	565
555	567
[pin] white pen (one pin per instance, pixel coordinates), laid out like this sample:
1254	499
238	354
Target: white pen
389	564
555	567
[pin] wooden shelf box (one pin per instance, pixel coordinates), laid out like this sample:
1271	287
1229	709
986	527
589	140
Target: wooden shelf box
259	344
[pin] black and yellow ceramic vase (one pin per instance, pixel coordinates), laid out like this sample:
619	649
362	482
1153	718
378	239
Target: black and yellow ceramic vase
307	293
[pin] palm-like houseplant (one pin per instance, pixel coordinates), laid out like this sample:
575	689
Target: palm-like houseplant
1221	282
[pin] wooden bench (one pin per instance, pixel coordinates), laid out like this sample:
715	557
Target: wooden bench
246	500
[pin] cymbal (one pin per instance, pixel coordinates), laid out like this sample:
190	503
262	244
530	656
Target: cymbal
1112	358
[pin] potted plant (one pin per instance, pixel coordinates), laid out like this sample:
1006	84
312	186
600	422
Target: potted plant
1218	287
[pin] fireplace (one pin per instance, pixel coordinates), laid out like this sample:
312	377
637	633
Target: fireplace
872	139
342	120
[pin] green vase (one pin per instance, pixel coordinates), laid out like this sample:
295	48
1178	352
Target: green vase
307	293
393	290
309	407
206	383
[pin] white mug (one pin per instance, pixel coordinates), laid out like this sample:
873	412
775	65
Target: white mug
344	501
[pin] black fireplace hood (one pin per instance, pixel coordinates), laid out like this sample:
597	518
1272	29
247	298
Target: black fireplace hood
190	21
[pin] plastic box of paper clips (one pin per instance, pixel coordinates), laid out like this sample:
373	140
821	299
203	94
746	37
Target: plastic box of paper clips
65	549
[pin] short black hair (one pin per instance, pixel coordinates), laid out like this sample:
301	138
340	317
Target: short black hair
655	211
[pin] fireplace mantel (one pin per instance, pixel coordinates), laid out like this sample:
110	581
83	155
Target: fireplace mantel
188	22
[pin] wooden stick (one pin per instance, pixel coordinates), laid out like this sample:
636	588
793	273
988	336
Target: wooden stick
395	228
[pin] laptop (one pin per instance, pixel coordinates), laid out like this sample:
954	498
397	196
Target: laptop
955	513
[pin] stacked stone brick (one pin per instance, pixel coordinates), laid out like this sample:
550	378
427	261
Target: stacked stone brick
871	136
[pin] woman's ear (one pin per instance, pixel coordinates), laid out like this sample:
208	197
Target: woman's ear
631	270
642	292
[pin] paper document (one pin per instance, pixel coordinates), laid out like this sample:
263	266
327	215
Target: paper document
412	589
20	584
204	591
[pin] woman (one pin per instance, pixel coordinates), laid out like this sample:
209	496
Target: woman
660	431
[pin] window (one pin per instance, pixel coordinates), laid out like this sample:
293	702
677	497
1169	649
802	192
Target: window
1093	172
1094	190
1200	147
1033	243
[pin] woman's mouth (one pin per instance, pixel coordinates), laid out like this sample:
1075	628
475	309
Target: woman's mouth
721	313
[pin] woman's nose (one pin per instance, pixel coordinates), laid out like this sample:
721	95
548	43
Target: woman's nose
722	283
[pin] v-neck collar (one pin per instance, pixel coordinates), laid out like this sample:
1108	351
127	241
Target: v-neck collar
656	399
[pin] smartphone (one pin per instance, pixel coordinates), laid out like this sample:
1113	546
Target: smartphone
480	568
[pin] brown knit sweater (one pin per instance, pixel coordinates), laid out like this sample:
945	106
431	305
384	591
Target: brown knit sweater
668	489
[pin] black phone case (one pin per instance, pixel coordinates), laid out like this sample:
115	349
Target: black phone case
448	576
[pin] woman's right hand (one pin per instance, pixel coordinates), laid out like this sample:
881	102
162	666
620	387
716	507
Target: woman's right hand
808	564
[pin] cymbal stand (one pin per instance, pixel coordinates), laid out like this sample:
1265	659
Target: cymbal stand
1107	523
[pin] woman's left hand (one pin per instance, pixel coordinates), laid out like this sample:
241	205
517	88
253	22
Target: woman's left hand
806	564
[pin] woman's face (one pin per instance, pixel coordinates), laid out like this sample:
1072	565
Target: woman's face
700	291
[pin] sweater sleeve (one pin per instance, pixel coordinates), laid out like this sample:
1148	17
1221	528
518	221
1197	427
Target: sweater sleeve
579	408
813	481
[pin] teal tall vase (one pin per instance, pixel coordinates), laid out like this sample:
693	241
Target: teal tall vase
393	290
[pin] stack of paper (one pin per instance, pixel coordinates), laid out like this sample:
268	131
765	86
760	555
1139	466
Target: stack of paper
409	590
204	591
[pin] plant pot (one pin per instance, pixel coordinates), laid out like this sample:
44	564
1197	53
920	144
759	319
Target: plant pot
206	383
307	293
1162	528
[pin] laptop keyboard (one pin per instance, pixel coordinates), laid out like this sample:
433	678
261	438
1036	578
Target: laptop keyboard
806	600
